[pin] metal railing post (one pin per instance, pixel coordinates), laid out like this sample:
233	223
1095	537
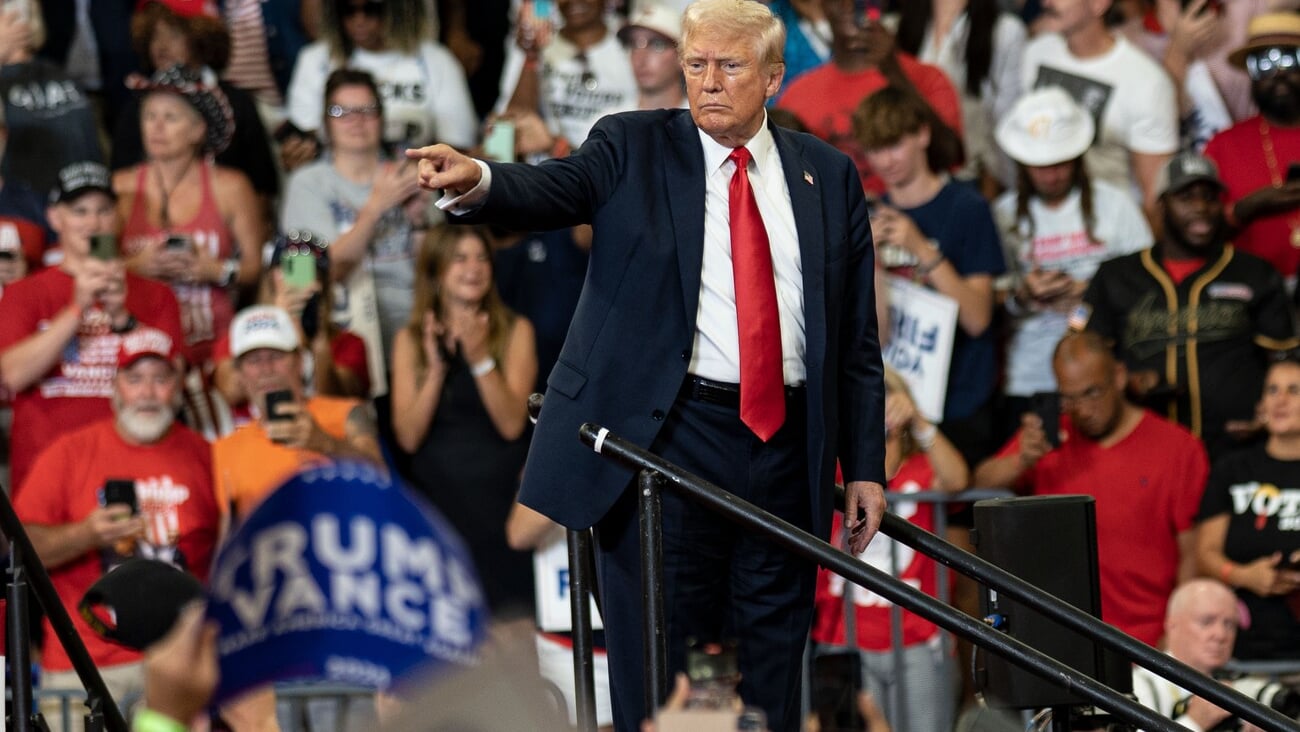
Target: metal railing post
652	581
20	662
580	607
782	532
98	699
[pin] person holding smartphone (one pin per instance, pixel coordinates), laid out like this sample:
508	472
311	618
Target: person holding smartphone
1249	523
131	484
370	211
297	280
1058	225
190	222
291	431
1145	507
60	327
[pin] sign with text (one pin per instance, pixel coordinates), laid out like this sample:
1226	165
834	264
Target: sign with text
340	575
922	326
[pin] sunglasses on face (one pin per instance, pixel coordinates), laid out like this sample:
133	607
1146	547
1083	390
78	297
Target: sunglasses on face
1269	61
371	9
338	111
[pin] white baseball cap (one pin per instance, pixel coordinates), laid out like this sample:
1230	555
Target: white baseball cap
262	326
657	18
1045	127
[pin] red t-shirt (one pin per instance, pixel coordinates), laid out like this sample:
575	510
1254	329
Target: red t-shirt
825	97
1148	488
77	390
1243	168
916	569
173	487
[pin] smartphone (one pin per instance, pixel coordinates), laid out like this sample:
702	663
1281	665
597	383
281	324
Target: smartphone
1047	405
176	242
836	677
543	9
273	401
499	145
8	255
714	674
1289	564
1293	172
103	247
299	270
120	490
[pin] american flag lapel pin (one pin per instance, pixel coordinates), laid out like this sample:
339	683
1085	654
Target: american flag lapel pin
807	177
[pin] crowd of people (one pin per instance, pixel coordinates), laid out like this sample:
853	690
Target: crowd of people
217	267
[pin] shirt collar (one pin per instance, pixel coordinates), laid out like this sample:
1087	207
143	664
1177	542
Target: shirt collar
760	147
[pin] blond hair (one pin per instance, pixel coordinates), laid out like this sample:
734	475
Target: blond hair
738	19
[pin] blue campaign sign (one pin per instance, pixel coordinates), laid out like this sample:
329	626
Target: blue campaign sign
341	575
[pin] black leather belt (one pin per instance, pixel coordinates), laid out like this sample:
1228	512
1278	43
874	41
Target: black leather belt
721	393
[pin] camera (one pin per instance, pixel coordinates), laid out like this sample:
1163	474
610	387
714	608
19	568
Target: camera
1279	697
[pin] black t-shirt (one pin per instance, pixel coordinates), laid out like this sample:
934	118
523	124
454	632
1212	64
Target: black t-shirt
51	124
1261	496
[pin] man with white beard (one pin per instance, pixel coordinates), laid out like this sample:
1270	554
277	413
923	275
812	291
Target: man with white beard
137	484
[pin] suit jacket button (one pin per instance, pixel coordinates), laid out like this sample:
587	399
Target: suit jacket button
657	415
686	355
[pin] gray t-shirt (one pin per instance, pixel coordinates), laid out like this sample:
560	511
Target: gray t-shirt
320	200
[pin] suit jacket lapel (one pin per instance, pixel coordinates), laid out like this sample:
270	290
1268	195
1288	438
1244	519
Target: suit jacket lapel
806	201
684	177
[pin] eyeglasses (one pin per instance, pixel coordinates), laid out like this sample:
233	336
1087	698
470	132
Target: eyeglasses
372	9
338	111
655	45
1269	61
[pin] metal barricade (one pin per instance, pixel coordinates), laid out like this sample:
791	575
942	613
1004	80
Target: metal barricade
654	472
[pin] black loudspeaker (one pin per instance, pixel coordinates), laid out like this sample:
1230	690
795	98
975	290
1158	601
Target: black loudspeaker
1050	542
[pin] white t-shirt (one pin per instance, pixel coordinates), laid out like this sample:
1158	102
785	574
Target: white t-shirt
574	91
425	95
1060	242
1129	95
319	200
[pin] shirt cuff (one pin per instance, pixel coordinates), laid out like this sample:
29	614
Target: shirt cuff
470	200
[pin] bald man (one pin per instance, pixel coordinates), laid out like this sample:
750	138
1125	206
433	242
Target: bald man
1145	507
1200	628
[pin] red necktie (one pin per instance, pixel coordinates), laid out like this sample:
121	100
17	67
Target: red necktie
762	379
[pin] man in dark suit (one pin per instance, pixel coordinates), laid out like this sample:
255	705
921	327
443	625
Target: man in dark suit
663	351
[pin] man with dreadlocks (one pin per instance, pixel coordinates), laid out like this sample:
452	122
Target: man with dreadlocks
1057	226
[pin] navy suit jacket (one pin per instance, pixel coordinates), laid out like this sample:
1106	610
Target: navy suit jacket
639	179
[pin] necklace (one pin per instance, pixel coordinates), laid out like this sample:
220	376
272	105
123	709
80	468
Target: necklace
164	194
1270	158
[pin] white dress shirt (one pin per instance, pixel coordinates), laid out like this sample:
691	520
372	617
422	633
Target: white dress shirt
716	352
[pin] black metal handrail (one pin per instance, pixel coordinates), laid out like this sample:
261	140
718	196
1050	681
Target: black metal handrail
728	505
26	567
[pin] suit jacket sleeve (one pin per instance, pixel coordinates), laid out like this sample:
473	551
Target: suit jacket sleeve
861	448
557	193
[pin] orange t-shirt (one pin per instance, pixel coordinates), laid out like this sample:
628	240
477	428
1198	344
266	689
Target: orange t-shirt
247	466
